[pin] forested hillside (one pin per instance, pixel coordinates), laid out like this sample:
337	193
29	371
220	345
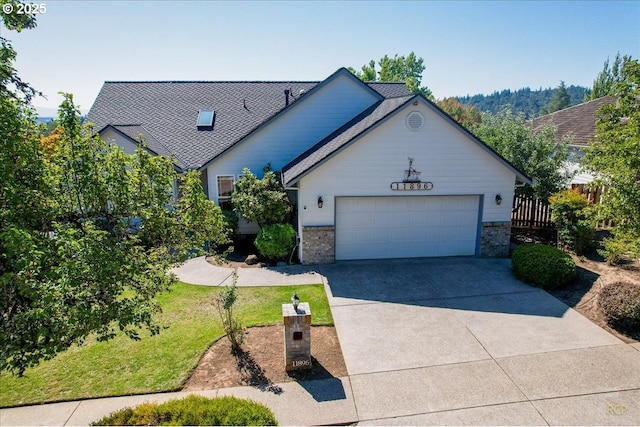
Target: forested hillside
530	102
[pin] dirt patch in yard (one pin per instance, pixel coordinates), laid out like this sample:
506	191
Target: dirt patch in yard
261	362
593	275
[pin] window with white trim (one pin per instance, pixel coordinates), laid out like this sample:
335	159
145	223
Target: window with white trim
225	190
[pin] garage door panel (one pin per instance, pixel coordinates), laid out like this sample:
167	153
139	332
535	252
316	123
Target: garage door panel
399	227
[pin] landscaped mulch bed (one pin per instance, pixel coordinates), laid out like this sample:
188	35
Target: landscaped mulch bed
261	362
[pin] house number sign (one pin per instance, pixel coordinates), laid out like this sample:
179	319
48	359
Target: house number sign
411	181
411	186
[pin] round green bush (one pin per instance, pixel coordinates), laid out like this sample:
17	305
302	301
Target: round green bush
193	411
543	266
276	241
620	303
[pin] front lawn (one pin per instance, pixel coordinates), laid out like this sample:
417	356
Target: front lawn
159	363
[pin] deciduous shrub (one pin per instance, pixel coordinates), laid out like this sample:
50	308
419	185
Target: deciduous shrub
543	266
569	212
231	221
622	244
195	411
620	303
225	301
276	241
263	201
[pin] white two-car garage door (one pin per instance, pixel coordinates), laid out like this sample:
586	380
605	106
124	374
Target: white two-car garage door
406	226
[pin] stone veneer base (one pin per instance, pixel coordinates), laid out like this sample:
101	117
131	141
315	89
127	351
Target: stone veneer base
318	242
318	245
494	239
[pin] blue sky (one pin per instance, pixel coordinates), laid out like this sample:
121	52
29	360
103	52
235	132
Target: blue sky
468	47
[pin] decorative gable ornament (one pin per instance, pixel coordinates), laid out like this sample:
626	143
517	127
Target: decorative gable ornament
411	181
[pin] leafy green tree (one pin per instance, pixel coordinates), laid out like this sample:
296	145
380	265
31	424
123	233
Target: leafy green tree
203	219
87	237
615	160
397	69
87	232
467	116
535	152
262	201
605	82
559	101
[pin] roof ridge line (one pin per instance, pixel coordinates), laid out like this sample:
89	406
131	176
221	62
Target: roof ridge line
574	106
214	81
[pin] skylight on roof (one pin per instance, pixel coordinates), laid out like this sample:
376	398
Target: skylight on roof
205	118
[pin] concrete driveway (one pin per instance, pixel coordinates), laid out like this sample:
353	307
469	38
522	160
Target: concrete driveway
461	341
442	341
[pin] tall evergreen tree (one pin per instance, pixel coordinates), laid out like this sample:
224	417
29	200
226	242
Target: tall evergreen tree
604	84
559	101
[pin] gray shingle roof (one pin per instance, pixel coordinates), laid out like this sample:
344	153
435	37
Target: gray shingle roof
579	120
341	137
139	134
165	112
390	90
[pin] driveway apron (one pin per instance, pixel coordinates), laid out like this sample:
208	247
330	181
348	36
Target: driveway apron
440	339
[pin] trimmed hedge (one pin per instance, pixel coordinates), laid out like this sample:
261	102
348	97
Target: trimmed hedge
195	411
620	303
276	241
543	266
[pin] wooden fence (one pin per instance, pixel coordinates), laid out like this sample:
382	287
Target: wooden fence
529	212
593	194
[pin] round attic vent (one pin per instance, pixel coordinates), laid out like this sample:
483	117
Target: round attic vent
415	120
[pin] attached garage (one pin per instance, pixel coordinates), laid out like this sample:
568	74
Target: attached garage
406	226
402	180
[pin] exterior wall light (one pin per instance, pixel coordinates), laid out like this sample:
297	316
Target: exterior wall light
498	199
295	300
320	202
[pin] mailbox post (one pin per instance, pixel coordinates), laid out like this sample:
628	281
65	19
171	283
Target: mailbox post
297	335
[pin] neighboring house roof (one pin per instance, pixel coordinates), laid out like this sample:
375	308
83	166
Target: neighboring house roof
579	120
363	123
166	112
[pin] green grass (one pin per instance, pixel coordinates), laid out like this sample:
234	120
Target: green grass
155	363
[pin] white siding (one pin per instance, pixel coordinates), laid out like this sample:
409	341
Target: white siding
444	154
295	131
123	142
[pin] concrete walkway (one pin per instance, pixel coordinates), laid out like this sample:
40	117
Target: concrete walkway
198	271
449	341
305	403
